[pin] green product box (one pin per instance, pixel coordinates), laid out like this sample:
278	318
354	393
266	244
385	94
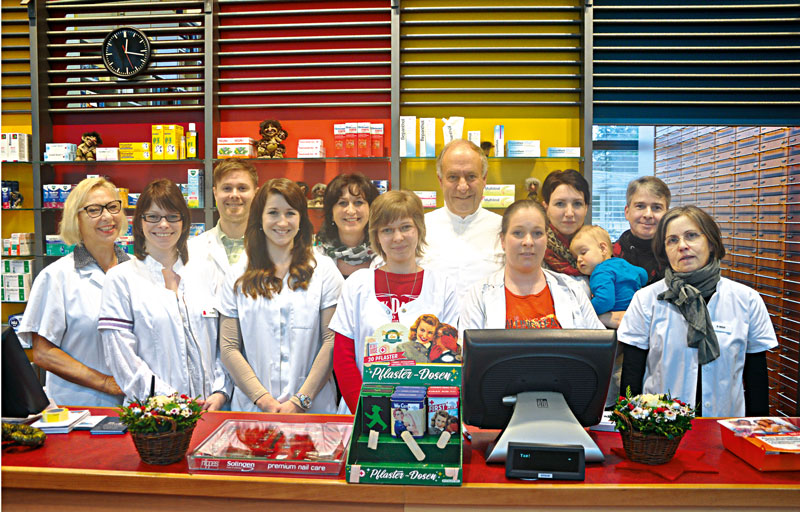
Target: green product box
392	462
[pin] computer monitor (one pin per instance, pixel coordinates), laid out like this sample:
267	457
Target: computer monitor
22	393
538	385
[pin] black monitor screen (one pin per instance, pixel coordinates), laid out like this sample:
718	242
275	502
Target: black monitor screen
498	362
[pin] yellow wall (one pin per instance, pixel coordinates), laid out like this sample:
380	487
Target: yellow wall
16	221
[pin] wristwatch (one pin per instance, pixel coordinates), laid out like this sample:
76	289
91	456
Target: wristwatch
305	400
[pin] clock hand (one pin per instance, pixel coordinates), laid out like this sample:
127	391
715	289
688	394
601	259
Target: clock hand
129	60
135	53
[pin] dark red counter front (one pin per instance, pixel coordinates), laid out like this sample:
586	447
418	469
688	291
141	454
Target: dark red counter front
84	471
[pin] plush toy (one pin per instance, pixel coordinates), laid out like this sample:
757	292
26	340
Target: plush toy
304	187
532	186
487	147
317	195
272	134
88	148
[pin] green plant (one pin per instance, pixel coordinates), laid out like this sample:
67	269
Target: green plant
653	414
158	414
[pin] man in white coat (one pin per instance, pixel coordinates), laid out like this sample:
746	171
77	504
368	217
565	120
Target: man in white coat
220	250
463	238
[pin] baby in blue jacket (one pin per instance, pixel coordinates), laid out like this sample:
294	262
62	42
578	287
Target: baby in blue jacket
613	280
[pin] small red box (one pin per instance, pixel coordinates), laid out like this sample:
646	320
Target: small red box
350	140
339	134
748	450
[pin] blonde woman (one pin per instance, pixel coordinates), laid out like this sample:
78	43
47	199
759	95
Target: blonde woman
61	317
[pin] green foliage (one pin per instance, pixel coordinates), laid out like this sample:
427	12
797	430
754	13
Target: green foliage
159	413
653	414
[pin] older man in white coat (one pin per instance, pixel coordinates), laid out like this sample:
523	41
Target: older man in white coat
220	250
463	238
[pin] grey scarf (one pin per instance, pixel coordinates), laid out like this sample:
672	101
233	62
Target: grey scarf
685	291
357	255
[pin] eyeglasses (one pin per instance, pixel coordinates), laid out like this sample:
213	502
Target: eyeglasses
96	210
689	237
153	218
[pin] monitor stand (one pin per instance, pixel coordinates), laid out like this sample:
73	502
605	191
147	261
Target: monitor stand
542	418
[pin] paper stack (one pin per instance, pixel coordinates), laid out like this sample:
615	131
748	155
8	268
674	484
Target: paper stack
62	427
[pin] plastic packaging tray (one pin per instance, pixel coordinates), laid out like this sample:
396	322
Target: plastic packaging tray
247	446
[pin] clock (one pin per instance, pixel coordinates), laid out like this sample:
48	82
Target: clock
126	52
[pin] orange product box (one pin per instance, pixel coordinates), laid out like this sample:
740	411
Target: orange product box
376	138
755	452
339	133
350	140
364	143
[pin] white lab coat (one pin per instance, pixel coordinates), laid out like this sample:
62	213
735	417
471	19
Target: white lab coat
63	309
485	304
207	252
148	329
282	336
464	249
742	325
360	313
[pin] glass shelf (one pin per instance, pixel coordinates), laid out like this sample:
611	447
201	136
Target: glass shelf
504	159
326	159
186	161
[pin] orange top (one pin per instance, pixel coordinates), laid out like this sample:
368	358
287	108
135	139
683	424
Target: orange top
534	311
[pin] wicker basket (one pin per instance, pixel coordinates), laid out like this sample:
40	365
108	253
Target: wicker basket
649	449
163	448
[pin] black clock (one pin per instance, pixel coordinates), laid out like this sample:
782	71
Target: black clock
126	52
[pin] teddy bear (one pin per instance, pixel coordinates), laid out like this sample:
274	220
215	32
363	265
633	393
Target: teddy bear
87	148
272	134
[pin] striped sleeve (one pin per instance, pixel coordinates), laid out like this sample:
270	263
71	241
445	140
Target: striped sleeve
116	310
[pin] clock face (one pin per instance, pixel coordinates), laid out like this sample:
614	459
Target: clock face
126	52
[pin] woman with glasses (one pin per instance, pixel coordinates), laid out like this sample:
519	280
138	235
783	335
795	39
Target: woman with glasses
158	324
274	333
696	334
60	320
398	291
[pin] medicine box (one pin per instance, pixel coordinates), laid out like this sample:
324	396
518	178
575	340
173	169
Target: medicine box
428	198
173	133
11	280
351	139
376	139
157	141
236	147
14	295
565	152
194	185
474	137
106	154
427	137
497	201
364	147
408	136
499	190
18	266
499	140
523	148
339	134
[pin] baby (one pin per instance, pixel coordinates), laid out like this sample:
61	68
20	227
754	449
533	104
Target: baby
613	280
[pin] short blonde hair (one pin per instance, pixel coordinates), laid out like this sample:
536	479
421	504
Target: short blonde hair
596	233
69	228
391	206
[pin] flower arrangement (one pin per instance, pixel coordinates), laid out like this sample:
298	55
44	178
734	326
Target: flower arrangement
653	414
159	413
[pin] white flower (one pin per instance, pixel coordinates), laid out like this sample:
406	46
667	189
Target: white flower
640	413
186	413
670	415
146	415
174	411
650	399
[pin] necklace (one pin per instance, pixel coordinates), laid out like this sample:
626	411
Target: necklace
389	290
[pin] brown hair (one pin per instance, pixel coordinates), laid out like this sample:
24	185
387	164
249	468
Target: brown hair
358	185
259	279
165	194
230	165
428	319
391	206
704	222
650	184
569	177
518	205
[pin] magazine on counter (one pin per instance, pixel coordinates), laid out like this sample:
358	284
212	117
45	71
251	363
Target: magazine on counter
773	434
